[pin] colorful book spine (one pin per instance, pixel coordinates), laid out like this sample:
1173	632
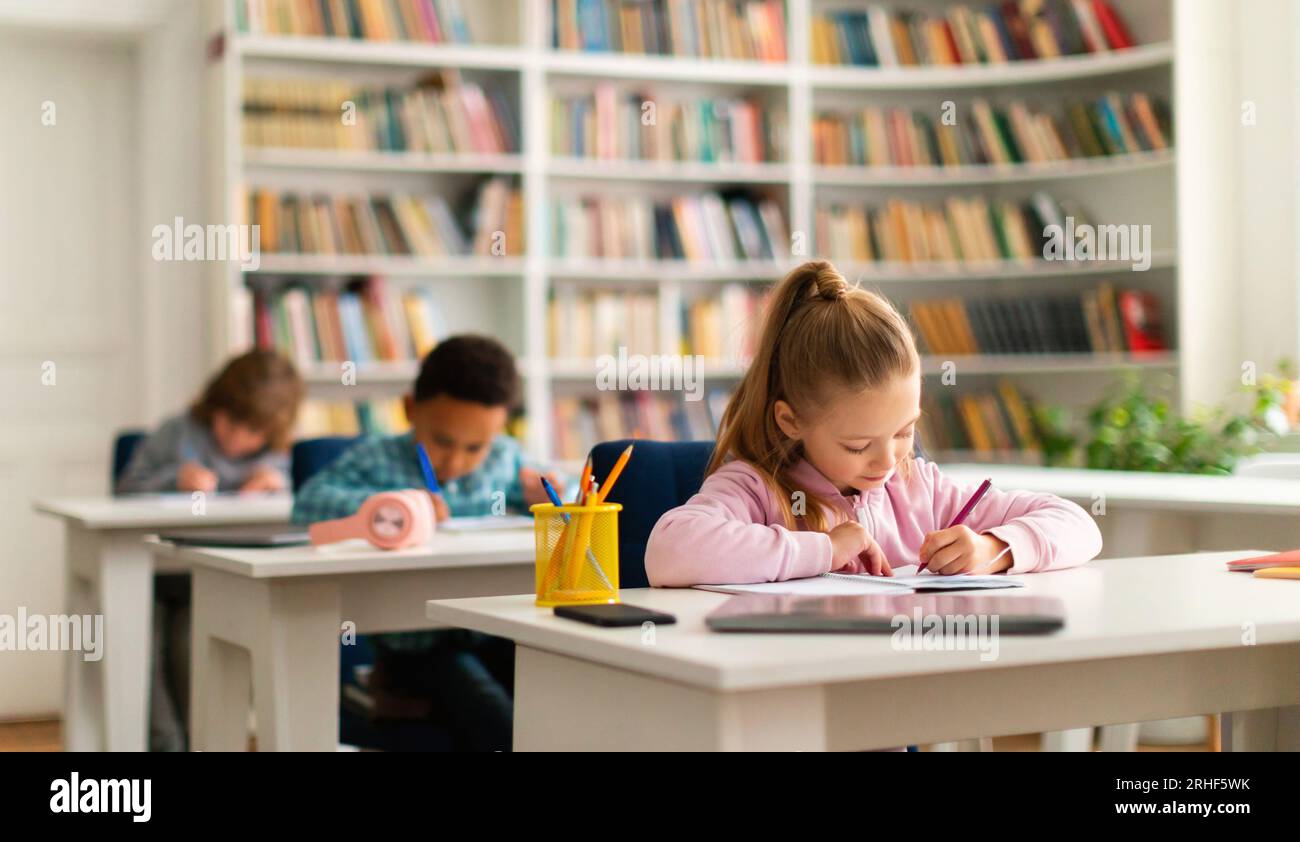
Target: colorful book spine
987	135
702	228
627	126
363	322
1091	322
395	224
426	21
960	231
581	422
740	30
960	34
444	114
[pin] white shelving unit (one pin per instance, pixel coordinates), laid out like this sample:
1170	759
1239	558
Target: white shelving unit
508	296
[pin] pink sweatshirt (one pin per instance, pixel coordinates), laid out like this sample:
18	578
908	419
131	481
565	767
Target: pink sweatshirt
731	533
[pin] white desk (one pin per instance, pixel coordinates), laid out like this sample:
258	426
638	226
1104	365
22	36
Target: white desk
109	572
1146	638
1143	513
268	621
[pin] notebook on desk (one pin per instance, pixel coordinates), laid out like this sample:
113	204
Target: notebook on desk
886	613
486	523
277	535
850	584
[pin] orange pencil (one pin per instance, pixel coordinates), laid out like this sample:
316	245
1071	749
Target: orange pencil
614	472
553	570
582	483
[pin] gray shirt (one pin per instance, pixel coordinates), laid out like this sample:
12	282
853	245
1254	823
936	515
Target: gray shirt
157	459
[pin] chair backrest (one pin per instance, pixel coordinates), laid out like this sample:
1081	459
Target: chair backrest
659	476
124	446
311	455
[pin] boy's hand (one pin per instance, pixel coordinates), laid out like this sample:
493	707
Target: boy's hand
961	550
194	477
855	551
264	479
534	493
441	510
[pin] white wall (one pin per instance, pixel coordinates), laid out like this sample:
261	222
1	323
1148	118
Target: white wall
1238	184
78	286
173	304
69	287
1268	41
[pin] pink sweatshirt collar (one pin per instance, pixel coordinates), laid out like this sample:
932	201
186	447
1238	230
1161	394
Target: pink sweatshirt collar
805	476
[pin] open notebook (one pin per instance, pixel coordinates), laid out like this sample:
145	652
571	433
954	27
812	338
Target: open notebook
854	584
486	523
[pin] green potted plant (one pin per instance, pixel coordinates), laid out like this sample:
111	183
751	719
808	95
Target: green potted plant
1135	429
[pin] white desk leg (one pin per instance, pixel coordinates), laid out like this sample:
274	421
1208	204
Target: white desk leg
83	687
120	575
1119	737
296	667
220	671
1270	729
1075	739
284	638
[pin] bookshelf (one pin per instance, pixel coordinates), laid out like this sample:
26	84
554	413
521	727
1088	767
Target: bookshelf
509	296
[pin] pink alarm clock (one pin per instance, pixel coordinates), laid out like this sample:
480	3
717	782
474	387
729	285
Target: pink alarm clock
391	520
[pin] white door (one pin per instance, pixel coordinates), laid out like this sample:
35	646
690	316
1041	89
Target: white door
70	352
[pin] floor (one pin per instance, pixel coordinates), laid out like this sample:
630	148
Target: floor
44	736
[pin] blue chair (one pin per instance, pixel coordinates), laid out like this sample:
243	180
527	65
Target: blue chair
311	455
124	447
659	476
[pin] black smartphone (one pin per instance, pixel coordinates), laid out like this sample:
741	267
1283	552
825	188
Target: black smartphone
617	614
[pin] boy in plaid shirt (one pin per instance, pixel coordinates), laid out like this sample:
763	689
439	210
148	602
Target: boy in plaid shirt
461	401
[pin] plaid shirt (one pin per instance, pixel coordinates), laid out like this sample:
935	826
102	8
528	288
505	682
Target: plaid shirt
391	464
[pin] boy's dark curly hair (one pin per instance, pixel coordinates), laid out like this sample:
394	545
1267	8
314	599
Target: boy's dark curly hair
469	368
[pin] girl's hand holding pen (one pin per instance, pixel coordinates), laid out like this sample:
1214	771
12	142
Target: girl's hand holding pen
959	549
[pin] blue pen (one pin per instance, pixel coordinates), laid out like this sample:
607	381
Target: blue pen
426	468
555	499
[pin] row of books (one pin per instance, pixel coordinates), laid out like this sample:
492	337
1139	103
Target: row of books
726	29
1094	321
1018	133
724	326
989	33
350	418
983	422
640	126
581	422
708	227
971	229
443	113
363	322
430	21
395	224
586	322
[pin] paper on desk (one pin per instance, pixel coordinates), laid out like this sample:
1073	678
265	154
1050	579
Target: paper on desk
817	586
853	584
907	575
486	523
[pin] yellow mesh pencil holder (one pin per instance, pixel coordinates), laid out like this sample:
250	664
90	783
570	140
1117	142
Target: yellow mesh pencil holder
577	555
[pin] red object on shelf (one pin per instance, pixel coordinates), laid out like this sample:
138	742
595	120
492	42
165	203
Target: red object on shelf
1112	25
